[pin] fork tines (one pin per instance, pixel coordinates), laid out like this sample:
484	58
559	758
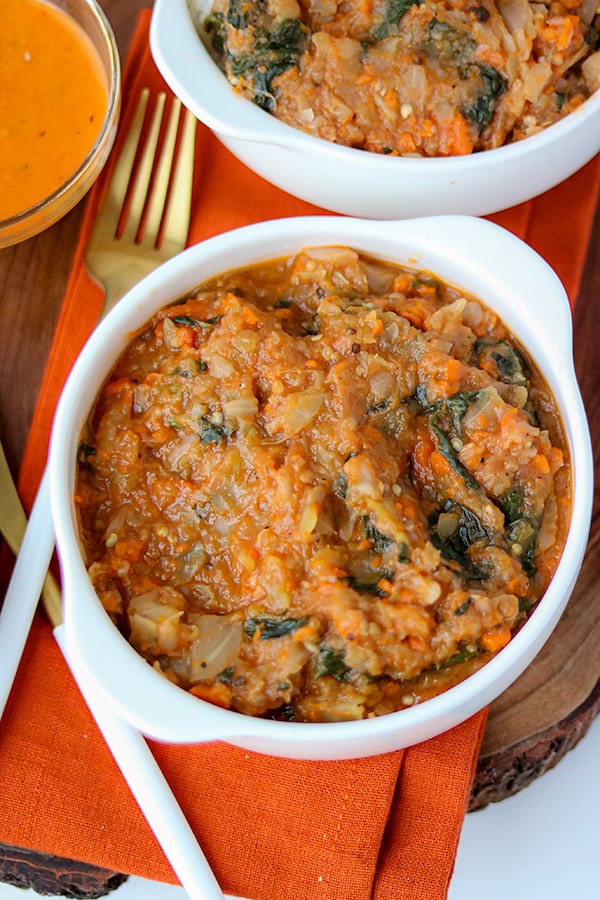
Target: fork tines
155	211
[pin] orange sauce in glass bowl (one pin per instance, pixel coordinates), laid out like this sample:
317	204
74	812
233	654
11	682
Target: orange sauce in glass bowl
52	104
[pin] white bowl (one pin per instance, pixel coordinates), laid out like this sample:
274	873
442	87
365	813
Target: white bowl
356	182
482	259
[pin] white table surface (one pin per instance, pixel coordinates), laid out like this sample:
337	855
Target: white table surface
542	844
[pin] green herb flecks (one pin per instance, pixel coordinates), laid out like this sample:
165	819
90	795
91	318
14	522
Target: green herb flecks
463	654
331	662
270	627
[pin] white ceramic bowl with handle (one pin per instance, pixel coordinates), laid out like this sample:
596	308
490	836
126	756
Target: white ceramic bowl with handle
473	254
356	182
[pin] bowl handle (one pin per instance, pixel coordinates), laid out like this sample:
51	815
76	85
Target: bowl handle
508	266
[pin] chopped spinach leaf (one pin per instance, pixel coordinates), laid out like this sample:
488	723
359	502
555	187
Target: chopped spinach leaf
509	362
445	421
448	413
511	504
195	323
270	627
446	43
367	587
403	553
284	713
521	530
461	610
493	86
447	450
592	37
394	11
214	25
379	541
211	432
331	662
561	98
86	450
273	53
226	675
455	546
526	604
463	654
236	15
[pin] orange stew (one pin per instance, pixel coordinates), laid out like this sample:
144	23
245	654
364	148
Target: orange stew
410	77
52	102
322	488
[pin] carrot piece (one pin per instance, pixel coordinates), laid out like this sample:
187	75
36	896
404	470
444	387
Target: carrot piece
540	463
402	282
457	139
496	639
220	694
416	315
116	385
439	464
377	327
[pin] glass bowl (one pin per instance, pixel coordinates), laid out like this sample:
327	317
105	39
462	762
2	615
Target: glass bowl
91	19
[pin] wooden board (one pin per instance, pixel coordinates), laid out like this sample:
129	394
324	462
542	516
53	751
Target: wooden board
550	707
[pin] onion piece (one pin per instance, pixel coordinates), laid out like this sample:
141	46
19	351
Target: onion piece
216	647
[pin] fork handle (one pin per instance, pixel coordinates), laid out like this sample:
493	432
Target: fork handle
117	283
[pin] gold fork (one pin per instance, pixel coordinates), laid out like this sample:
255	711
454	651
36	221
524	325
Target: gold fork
156	204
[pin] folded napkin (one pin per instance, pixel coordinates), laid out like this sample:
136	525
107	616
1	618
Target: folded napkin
377	828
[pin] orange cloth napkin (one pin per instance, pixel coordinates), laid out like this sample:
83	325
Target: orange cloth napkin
378	828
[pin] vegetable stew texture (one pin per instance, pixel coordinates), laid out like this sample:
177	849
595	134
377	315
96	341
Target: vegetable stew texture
410	77
322	488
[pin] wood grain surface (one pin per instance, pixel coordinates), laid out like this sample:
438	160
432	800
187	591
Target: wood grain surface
534	723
